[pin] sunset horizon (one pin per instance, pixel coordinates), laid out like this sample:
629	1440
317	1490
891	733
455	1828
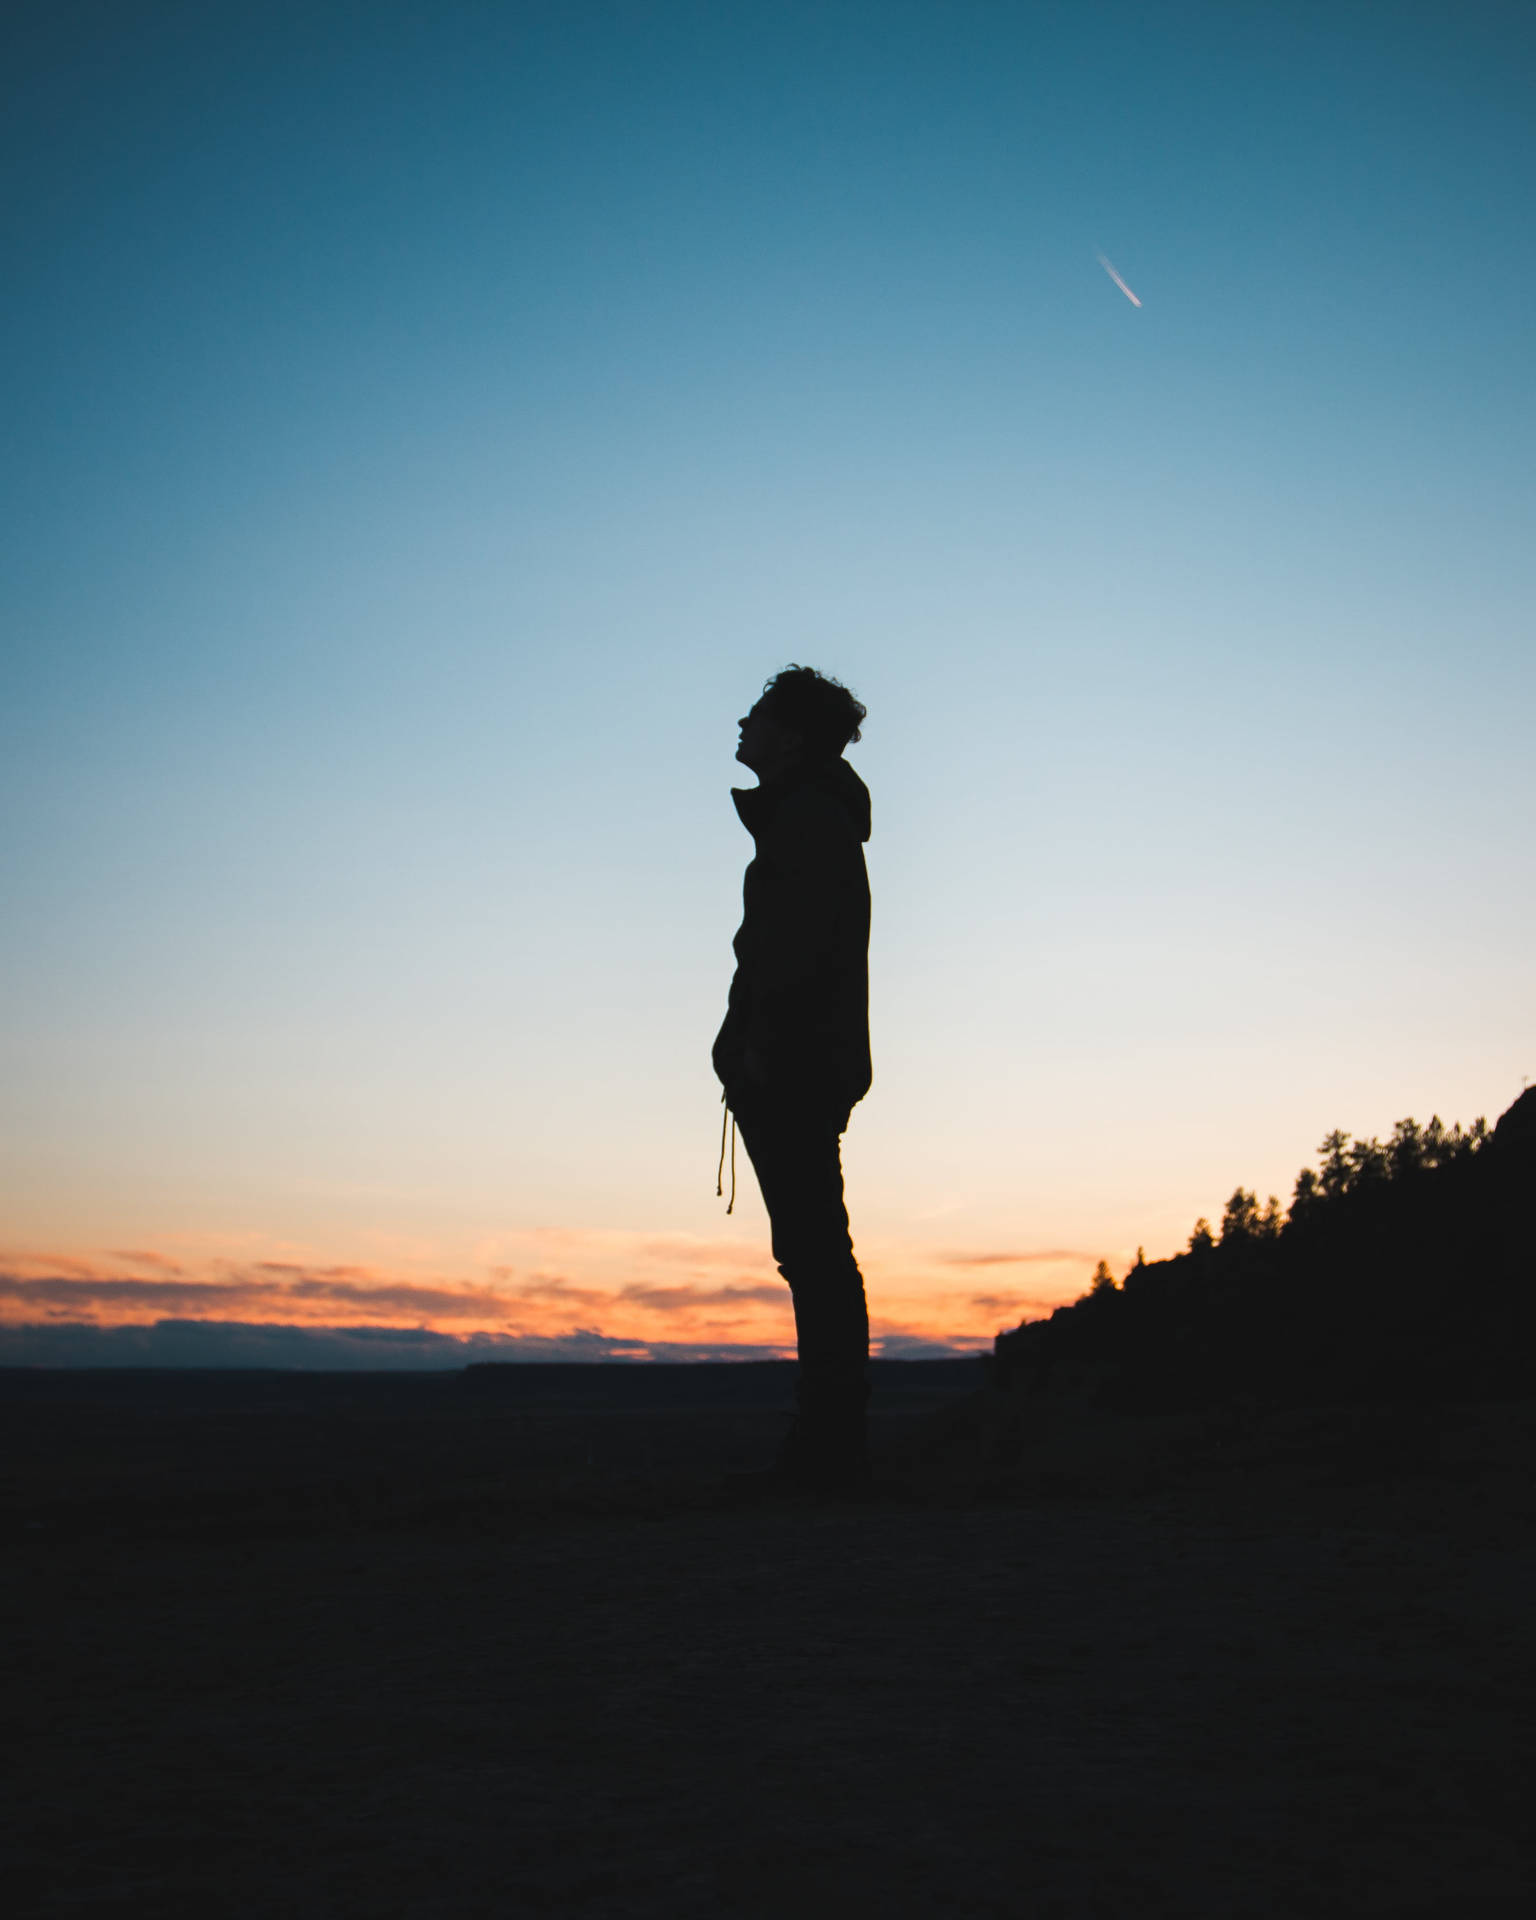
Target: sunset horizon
544	1295
429	434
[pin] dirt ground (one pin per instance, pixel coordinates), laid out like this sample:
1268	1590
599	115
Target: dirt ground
451	1648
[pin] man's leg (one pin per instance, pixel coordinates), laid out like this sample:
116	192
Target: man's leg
795	1149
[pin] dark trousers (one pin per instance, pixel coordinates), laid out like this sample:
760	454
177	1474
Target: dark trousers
796	1151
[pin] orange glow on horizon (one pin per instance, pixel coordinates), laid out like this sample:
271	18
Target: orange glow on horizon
644	1290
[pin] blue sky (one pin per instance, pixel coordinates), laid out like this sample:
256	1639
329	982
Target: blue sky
429	425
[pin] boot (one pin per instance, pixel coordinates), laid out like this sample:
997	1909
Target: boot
826	1453
826	1450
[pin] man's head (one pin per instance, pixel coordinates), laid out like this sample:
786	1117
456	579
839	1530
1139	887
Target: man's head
801	716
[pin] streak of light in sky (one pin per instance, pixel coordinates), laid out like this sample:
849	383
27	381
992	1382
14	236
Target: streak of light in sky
1118	281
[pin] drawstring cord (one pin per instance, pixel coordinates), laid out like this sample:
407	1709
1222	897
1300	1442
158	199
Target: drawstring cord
726	1119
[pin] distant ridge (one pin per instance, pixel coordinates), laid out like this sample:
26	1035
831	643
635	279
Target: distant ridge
1402	1269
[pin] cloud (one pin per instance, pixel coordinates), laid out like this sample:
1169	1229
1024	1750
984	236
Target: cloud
159	1261
282	1292
106	1290
1059	1256
552	1288
400	1296
1007	1303
643	1293
232	1343
47	1265
243	1291
672	1299
235	1343
286	1268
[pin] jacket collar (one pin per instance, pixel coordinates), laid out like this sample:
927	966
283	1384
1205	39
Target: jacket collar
756	806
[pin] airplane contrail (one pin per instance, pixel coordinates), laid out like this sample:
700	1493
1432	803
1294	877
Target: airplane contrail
1118	281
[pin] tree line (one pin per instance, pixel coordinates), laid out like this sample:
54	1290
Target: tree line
1400	1266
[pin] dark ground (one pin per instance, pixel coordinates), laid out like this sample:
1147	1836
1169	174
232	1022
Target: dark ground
488	1644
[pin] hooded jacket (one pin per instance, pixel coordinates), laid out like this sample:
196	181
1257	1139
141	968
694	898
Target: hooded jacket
799	1001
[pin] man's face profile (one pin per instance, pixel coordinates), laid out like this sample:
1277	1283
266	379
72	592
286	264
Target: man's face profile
765	745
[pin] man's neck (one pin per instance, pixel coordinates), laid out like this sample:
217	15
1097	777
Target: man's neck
786	772
776	773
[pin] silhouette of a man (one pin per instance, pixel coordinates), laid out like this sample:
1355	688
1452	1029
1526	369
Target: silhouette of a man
793	1054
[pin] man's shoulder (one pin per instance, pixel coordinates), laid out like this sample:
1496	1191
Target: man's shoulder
832	805
811	831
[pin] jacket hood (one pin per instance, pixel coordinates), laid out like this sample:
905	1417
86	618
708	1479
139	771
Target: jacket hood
835	779
849	791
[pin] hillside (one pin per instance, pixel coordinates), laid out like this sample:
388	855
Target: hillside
1404	1268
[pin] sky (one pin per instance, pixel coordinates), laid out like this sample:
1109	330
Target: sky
427	426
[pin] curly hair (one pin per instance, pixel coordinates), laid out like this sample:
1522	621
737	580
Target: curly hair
820	708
